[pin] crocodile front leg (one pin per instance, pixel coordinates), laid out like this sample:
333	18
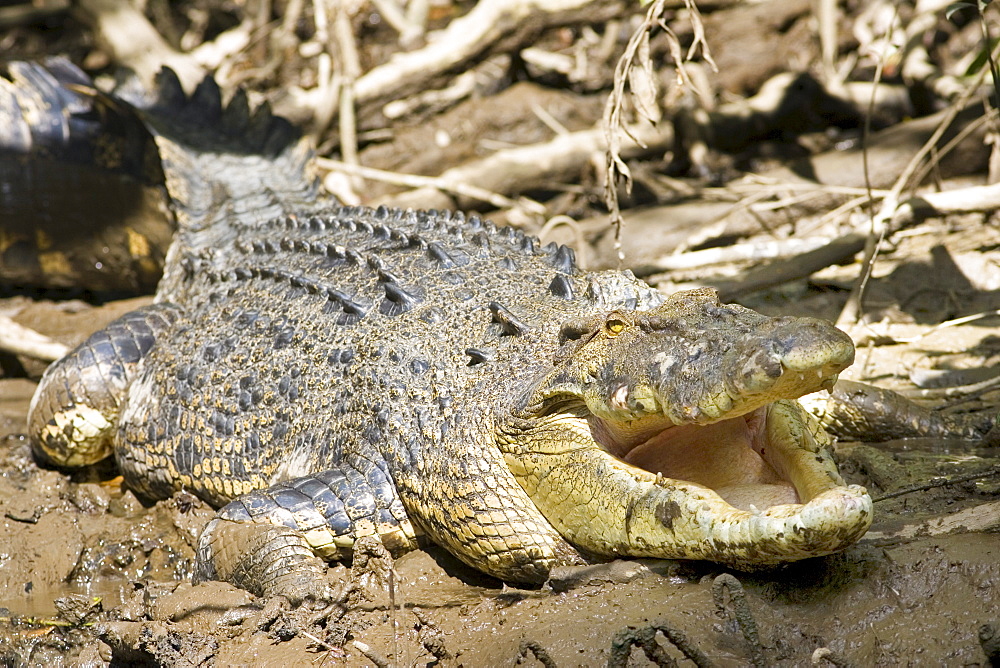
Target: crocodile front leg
271	541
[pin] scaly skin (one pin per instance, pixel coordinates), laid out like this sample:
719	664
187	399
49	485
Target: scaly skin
328	373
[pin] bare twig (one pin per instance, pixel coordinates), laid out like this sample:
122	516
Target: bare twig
941	482
852	309
877	232
635	68
443	183
471	36
20	340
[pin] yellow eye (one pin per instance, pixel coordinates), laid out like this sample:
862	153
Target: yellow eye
614	326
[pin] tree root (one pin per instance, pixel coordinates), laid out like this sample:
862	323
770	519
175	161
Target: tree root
741	612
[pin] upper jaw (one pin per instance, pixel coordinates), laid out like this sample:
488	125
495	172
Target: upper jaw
796	357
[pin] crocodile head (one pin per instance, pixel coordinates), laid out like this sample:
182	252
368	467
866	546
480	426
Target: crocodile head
674	433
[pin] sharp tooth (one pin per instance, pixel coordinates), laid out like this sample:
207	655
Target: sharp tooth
754	510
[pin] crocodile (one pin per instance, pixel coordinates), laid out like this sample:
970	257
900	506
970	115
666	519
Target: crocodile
83	205
325	375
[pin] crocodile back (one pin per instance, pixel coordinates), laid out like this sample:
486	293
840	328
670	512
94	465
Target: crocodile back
227	166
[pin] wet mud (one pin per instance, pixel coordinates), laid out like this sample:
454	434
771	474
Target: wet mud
90	574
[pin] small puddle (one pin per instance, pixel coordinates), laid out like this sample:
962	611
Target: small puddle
39	601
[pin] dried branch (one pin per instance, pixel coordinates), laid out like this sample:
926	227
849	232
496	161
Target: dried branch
20	340
131	39
851	312
974	199
468	38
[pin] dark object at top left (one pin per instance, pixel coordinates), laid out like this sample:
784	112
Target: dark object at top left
83	206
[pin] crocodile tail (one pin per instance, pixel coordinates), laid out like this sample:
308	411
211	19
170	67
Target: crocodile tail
227	166
82	197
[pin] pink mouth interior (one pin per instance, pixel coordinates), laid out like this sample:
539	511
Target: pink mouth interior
727	457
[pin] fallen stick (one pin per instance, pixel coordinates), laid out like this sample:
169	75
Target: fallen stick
524	168
914	210
20	340
488	26
765	249
982	518
131	39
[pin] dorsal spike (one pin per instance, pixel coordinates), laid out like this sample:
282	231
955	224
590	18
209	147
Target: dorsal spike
397	300
561	287
528	244
260	120
237	113
440	255
384	276
564	259
479	356
170	92
354	307
346	302
509	323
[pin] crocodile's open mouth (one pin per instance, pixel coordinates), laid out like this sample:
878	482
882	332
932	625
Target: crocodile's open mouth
737	458
749	490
